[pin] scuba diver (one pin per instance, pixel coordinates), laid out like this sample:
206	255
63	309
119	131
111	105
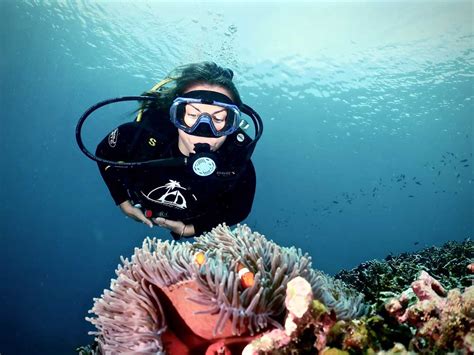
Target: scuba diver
185	162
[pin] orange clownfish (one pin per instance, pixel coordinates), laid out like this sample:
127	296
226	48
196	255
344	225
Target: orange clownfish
199	258
245	275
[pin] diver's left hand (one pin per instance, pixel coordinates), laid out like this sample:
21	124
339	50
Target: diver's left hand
175	226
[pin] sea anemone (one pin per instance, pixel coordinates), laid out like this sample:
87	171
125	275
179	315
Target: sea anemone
130	316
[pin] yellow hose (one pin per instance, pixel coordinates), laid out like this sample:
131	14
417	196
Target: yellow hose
153	89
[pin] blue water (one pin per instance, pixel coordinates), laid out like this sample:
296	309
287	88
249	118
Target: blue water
367	149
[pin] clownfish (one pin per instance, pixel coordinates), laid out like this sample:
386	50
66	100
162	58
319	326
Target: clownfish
245	275
199	258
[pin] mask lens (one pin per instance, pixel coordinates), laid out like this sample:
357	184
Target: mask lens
222	120
190	115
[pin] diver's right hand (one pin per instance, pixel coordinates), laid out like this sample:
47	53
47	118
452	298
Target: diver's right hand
135	213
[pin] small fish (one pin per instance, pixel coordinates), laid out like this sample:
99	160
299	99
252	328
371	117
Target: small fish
245	275
439	173
463	161
466	165
418	183
416	243
335	202
199	258
458	175
411	196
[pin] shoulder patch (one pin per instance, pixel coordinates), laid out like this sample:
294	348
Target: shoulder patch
113	138
152	141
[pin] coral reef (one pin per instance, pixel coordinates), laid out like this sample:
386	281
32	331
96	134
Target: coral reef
234	290
309	328
179	297
379	280
303	313
444	321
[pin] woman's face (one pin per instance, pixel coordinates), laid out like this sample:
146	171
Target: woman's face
187	141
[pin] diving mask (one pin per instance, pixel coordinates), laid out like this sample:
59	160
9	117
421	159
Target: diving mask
205	113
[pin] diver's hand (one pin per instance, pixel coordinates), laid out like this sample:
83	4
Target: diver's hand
178	227
135	213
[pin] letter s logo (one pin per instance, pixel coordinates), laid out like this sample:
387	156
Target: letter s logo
152	142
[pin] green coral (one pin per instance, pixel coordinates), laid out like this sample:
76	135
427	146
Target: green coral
88	350
318	309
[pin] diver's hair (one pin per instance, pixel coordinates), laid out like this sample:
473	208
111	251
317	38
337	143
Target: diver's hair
185	76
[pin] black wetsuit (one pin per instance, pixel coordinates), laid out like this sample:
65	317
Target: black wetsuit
177	193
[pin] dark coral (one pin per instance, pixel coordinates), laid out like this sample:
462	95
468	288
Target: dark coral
380	279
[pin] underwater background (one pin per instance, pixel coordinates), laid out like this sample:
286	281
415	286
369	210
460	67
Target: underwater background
367	144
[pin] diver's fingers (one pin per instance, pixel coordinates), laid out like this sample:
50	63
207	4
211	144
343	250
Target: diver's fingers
135	213
138	215
162	222
147	222
174	226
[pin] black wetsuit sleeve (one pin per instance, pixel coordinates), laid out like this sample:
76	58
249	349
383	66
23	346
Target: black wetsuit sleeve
233	206
116	147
